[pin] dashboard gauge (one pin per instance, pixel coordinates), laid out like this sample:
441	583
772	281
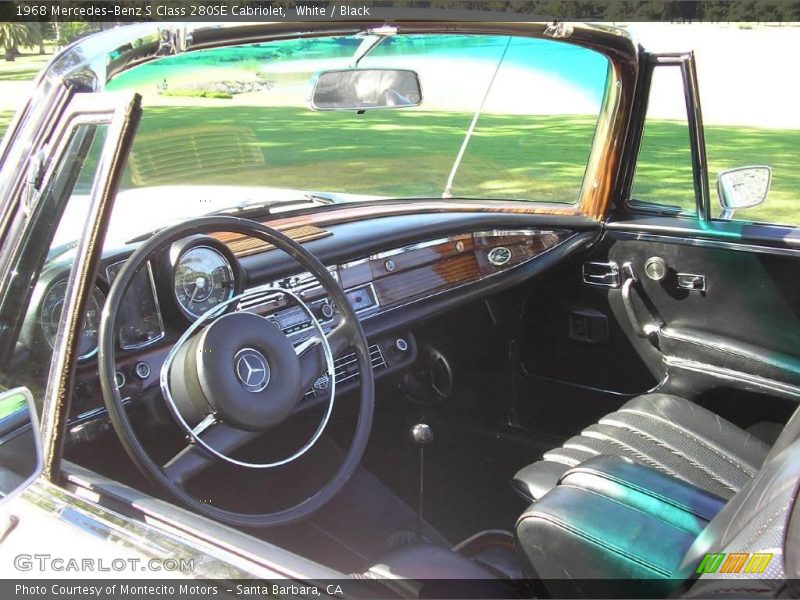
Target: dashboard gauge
50	315
203	279
139	315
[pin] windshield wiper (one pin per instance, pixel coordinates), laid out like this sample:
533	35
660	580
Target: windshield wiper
448	187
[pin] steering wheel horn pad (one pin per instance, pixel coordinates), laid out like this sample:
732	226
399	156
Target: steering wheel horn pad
188	371
236	350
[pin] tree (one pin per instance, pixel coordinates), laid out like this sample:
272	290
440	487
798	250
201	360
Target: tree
13	35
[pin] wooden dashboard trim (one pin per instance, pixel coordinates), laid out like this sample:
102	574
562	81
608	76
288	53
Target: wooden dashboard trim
407	274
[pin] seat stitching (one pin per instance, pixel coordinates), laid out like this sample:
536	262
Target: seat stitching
717	451
764	525
677	452
562	460
638	454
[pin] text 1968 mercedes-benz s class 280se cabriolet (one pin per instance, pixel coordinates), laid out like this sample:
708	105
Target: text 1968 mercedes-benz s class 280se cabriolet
402	304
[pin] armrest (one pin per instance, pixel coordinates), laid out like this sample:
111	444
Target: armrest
730	354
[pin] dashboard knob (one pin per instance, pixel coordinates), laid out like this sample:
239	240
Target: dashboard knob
142	370
401	345
656	268
326	310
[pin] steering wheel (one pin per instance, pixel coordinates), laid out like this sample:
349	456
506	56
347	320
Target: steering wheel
234	375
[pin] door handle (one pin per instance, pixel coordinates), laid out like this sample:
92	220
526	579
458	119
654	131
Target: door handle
601	273
642	330
690	281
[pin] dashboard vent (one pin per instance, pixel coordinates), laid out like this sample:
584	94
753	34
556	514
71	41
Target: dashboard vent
259	299
347	368
242	245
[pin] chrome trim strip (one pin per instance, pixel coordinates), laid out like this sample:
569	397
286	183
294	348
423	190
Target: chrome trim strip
459	286
92	414
508	232
707	243
731	375
401	250
444	240
591	388
155	303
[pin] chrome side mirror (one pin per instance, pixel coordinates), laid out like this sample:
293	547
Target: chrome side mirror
20	444
743	187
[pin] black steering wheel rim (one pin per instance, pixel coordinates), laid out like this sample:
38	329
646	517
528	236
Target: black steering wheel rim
118	414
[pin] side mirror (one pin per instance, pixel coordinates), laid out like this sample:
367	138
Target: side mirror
743	187
20	444
363	89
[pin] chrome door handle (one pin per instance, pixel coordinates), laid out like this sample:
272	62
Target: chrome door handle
641	330
690	281
601	273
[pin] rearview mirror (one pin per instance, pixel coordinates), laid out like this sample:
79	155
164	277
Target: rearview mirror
20	445
743	187
363	89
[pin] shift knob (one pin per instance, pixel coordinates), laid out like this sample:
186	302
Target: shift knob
422	434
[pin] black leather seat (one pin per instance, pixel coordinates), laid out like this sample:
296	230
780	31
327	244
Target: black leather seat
667	433
612	528
616	527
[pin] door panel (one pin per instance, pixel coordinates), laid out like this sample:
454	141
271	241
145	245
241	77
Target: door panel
744	326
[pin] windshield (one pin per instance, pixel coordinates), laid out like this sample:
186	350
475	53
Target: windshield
501	117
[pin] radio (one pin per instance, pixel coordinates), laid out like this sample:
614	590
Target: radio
295	319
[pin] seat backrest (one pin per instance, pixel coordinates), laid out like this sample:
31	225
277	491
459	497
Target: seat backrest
755	521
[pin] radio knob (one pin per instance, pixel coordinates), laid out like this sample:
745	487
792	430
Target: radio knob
326	310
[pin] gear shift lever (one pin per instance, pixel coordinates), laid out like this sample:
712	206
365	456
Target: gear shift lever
422	435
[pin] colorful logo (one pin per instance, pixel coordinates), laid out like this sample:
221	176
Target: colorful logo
735	562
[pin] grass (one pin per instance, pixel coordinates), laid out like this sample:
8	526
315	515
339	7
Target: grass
24	68
410	153
509	156
664	173
395	153
5	120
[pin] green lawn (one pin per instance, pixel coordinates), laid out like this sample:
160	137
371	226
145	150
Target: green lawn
664	174
395	153
409	153
24	68
5	120
405	153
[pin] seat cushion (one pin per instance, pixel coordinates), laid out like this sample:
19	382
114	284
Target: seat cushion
667	433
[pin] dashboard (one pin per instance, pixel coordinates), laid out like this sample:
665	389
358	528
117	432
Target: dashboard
390	289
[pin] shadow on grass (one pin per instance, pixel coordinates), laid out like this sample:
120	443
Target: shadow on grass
395	153
410	153
25	74
664	170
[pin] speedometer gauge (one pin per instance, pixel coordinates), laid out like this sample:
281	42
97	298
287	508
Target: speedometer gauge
203	280
50	316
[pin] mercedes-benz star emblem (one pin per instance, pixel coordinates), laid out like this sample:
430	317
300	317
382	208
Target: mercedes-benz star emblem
251	369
